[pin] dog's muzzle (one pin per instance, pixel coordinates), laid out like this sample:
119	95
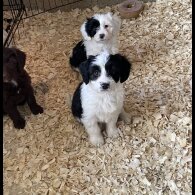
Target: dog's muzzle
105	86
102	36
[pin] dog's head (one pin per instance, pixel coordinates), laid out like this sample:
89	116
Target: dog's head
101	27
104	71
13	64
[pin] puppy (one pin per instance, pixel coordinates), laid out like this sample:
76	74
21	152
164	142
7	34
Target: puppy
17	87
99	98
99	33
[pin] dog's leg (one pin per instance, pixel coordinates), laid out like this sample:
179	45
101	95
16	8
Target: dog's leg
112	130
125	116
31	101
94	133
15	116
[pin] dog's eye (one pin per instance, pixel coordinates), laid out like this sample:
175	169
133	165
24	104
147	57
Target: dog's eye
106	26
96	73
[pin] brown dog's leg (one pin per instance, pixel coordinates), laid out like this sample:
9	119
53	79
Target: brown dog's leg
31	101
15	116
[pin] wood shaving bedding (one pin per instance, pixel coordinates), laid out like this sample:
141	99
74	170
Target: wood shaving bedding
153	155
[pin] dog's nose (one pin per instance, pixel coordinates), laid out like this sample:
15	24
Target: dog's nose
105	86
102	36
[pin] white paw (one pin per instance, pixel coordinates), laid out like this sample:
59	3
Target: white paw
97	140
114	133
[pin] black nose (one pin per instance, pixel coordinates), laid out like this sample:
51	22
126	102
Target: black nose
105	86
102	36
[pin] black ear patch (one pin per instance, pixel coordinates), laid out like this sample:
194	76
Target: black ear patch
118	67
84	69
91	26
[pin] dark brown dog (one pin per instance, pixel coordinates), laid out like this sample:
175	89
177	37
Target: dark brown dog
17	88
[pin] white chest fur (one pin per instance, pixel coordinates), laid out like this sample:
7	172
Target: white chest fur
101	105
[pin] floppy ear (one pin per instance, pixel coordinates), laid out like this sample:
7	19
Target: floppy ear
84	68
117	23
21	59
124	67
84	33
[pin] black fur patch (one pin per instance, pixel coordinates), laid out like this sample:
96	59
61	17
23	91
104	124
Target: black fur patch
94	72
78	55
91	26
13	70
76	107
118	67
85	69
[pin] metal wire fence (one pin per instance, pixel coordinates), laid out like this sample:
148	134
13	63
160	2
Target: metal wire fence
14	11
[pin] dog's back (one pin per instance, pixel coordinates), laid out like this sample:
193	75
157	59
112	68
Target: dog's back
78	55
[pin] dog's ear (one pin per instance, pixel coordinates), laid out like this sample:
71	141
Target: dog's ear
21	59
119	67
83	31
84	70
125	67
117	22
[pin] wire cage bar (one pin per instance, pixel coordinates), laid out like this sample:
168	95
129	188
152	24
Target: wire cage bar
36	7
14	11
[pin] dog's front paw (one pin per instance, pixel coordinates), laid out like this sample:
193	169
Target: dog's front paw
37	109
97	140
114	133
19	123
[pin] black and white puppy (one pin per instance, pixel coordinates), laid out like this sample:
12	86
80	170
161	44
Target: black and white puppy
99	33
99	98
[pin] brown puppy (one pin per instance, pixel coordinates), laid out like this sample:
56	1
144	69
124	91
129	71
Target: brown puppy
17	88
